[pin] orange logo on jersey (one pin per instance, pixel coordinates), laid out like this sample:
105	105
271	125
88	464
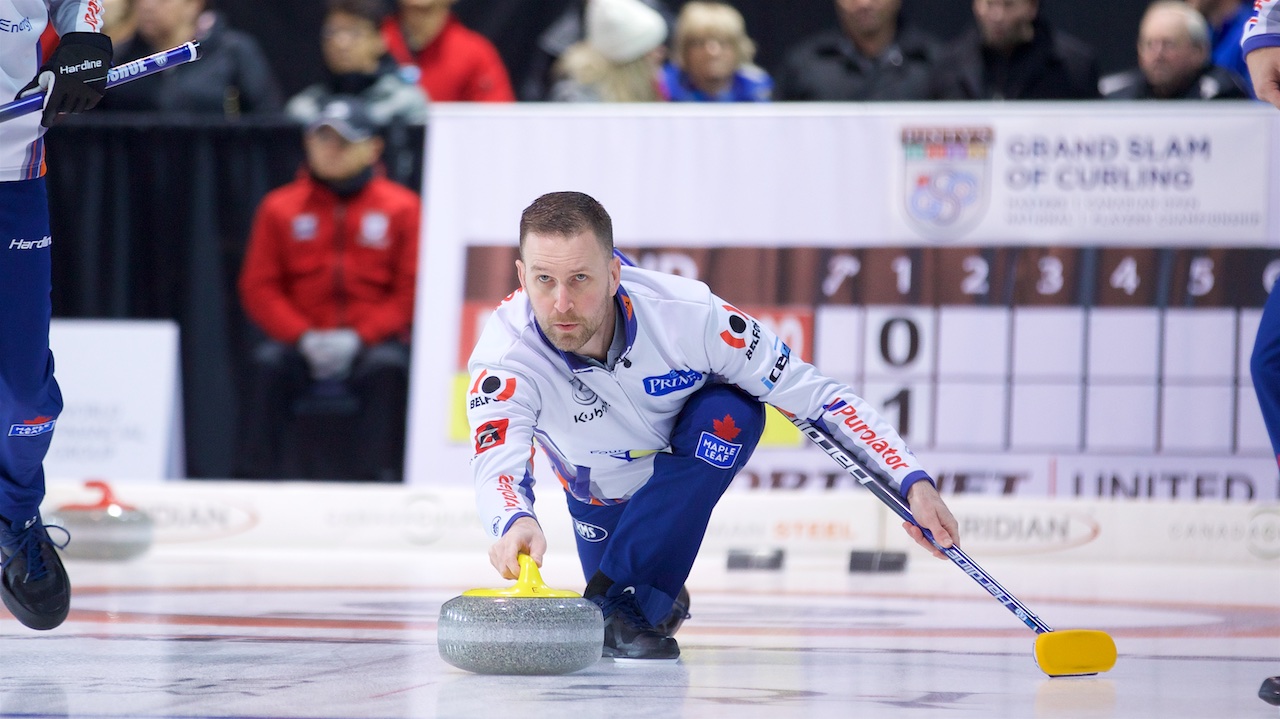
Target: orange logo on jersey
491	434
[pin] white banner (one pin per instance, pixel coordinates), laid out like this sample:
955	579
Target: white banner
1033	293
122	414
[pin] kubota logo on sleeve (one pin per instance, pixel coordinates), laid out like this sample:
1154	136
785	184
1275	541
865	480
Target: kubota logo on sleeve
491	434
491	387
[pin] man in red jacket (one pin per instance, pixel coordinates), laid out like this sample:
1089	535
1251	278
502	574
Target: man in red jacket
453	64
329	277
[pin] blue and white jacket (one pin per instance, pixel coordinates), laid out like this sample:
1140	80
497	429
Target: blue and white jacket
1263	29
600	428
21	24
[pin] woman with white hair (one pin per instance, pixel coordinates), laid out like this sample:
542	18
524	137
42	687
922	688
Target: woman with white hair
711	61
620	58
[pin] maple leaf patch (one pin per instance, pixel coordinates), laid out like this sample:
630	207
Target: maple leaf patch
726	428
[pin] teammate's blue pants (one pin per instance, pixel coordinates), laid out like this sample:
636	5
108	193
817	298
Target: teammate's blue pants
1265	367
650	541
29	396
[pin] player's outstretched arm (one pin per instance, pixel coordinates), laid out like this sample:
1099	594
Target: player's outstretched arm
1264	69
932	514
524	537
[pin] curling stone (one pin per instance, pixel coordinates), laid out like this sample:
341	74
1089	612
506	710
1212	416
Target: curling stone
525	629
108	529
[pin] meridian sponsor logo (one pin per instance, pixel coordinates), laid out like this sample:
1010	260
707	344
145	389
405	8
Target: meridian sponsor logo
858	429
31	244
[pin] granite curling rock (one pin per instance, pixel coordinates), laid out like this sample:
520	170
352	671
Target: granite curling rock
525	629
108	529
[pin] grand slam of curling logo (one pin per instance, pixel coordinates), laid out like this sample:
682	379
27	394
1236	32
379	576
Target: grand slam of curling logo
946	178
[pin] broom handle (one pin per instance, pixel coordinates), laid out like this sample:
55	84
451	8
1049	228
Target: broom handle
118	75
886	494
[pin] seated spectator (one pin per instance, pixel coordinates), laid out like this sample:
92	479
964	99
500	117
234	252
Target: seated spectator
712	58
1226	20
329	277
620	58
231	78
550	45
1014	54
871	56
1173	60
356	63
451	63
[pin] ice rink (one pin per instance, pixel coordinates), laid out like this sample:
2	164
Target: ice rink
245	633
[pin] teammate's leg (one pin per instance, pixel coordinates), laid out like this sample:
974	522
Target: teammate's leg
1264	365
35	585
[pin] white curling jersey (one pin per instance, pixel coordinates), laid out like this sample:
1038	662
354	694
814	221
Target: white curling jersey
1263	29
21	24
601	428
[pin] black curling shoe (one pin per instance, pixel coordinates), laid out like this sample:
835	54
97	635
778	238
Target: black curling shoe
33	582
627	634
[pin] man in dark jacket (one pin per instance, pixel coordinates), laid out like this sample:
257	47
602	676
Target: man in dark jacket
1173	60
232	77
1014	54
870	57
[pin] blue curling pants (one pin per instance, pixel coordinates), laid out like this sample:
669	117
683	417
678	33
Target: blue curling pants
650	541
1264	365
29	398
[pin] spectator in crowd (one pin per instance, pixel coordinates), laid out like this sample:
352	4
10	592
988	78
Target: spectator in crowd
712	58
119	22
620	58
1226	20
1014	54
356	63
871	56
551	43
452	63
329	277
231	78
1173	60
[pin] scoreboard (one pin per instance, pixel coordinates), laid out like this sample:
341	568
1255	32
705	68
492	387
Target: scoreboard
1046	299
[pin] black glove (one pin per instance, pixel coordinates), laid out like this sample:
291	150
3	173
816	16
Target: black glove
75	75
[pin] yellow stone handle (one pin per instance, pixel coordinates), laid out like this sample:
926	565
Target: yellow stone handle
529	584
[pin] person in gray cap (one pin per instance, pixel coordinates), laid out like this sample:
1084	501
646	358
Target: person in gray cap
329	277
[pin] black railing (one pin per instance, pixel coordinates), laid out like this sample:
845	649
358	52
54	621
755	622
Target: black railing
150	216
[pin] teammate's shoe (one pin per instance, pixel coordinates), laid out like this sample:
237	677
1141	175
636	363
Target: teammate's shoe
679	613
1269	692
627	634
33	582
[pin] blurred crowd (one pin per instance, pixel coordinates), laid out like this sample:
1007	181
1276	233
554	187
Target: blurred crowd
330	265
399	55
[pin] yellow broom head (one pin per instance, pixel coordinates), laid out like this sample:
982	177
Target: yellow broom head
1075	652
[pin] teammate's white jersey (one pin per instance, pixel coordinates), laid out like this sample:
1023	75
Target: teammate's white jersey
600	428
21	24
1263	29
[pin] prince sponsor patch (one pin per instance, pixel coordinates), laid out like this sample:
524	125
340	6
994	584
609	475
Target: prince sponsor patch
673	381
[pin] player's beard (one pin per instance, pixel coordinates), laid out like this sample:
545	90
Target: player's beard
574	340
